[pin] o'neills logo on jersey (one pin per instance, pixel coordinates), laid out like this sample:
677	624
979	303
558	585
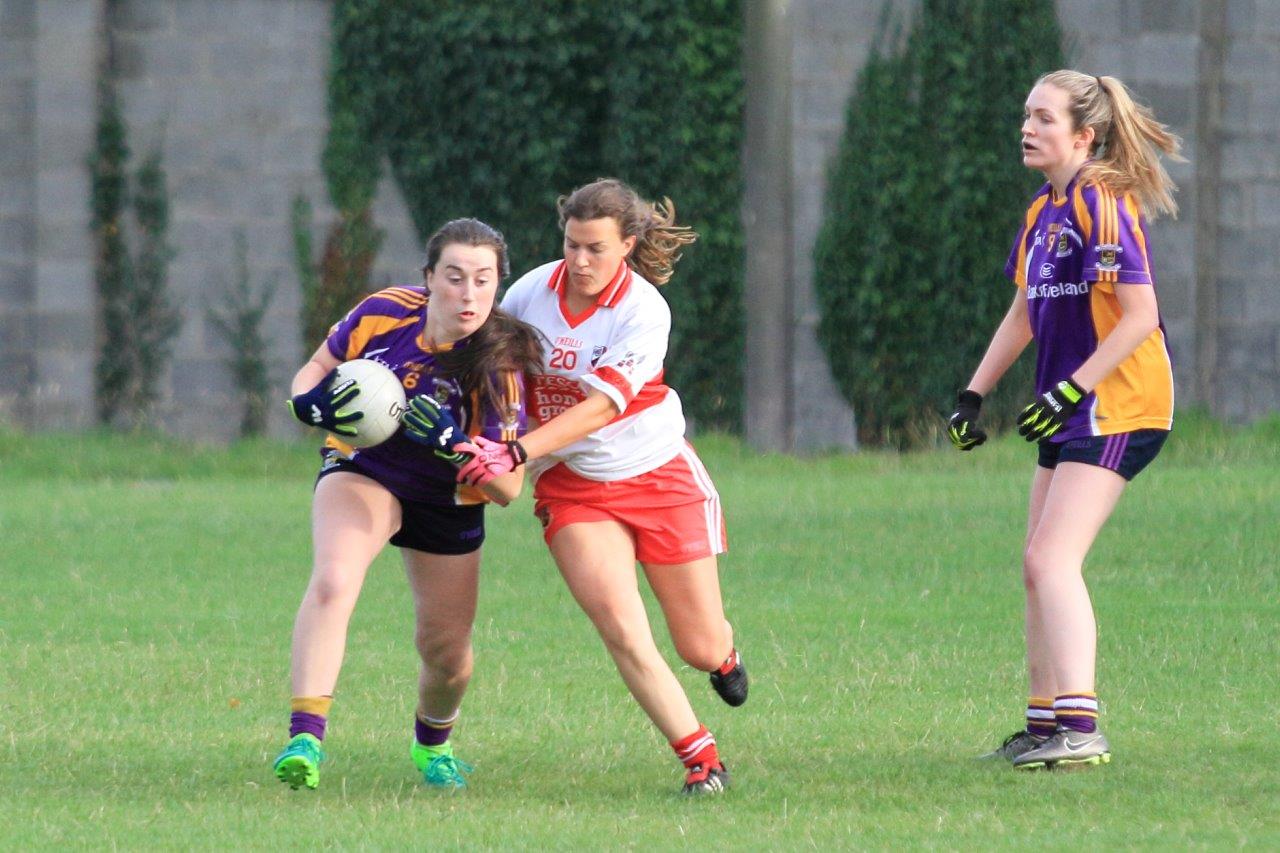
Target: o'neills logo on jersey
1053	291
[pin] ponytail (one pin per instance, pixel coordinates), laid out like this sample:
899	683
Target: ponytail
1128	140
658	238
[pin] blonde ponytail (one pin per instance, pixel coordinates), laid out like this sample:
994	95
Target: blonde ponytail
1128	140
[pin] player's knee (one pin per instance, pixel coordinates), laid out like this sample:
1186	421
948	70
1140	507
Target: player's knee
619	633
330	589
1036	565
448	658
704	653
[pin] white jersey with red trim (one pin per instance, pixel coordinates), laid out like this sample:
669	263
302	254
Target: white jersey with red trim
616	347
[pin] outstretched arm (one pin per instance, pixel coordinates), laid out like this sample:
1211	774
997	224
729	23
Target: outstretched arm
1010	339
494	459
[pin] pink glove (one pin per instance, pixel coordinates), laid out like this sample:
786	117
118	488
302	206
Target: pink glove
490	459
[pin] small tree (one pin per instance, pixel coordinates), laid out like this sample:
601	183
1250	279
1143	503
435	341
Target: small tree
137	321
924	200
350	162
239	320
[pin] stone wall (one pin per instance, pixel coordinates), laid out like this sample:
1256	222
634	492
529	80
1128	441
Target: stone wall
232	91
1210	70
233	94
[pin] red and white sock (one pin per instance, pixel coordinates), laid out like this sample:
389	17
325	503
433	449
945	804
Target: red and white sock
697	748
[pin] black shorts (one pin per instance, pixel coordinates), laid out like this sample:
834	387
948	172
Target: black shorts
433	528
1126	453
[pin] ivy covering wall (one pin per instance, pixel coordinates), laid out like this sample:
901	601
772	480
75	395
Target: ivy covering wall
924	200
493	109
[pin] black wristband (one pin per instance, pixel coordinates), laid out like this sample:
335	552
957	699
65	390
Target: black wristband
518	453
970	398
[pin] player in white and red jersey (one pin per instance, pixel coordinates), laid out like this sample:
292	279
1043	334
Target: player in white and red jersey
614	479
460	362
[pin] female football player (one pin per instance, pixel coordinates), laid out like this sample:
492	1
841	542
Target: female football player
460	361
614	479
1104	386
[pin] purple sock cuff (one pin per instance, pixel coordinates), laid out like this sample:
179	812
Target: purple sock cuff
430	735
1079	724
300	722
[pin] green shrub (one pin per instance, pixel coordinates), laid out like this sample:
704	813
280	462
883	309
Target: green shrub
137	319
239	319
493	109
924	200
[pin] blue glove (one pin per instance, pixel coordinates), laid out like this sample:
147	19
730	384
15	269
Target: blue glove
430	424
1049	413
322	405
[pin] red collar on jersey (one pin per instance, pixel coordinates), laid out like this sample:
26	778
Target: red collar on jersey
612	293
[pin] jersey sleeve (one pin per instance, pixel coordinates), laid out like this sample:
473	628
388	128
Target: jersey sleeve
1115	240
635	356
377	314
1015	269
512	420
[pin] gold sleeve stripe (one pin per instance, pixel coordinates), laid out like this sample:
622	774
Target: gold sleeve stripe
411	300
1131	205
1107	231
1083	217
511	402
477	420
405	293
372	326
1020	274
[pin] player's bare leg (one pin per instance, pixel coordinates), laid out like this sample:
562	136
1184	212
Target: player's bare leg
444	601
690	597
352	518
1080	499
597	561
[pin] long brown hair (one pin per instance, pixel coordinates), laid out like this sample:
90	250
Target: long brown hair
653	224
1127	139
502	343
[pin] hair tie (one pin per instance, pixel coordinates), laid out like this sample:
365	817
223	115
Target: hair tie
1098	80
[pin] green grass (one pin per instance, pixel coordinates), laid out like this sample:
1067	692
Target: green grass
147	592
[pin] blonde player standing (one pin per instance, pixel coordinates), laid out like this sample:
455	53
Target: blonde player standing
614	479
1086	294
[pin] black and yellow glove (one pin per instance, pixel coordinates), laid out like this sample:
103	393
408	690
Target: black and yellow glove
1049	413
962	427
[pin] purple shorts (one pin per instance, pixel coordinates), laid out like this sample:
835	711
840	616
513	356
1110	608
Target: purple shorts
1126	453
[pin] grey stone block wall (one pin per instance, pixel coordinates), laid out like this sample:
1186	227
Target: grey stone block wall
233	95
1248	374
17	202
1159	49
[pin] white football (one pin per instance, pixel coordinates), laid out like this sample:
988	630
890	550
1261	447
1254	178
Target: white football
381	399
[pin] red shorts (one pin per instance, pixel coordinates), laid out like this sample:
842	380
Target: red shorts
672	512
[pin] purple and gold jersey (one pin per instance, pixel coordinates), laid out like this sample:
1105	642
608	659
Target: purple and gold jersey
389	327
1070	256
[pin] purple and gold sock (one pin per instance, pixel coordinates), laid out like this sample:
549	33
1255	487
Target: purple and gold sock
1077	711
1040	717
432	732
309	715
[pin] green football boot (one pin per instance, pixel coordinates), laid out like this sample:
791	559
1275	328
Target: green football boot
299	763
438	767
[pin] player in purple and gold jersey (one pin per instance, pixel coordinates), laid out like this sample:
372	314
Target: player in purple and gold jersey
461	362
1104	384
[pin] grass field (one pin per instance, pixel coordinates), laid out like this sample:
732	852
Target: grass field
147	592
